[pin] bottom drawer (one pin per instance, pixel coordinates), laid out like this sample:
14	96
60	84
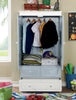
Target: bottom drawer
40	85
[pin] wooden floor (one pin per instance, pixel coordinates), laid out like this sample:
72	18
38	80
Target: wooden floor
15	89
64	90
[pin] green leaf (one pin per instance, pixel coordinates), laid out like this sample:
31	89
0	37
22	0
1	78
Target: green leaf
3	4
3	21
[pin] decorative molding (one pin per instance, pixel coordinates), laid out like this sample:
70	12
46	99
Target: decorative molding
40	13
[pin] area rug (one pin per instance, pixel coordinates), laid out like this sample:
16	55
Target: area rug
49	96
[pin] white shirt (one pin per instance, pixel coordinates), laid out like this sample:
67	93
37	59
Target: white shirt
24	35
36	31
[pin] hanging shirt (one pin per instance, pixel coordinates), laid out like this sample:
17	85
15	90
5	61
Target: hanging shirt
24	34
29	38
36	31
41	29
49	36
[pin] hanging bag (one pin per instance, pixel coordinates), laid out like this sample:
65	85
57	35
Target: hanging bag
49	35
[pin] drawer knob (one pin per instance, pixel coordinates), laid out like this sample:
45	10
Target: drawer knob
29	85
50	85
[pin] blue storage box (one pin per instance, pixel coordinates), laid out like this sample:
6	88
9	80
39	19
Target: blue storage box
69	78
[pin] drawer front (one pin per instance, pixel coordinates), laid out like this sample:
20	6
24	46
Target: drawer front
40	85
30	71
49	71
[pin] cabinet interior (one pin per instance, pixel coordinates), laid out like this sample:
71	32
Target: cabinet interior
39	71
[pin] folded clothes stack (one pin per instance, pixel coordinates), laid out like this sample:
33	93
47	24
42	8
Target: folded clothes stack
32	59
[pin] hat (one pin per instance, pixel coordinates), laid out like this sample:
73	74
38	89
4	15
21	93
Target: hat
48	54
49	35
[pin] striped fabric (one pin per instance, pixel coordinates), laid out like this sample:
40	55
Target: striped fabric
50	96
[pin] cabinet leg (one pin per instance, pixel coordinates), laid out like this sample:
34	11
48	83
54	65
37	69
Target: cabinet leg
21	78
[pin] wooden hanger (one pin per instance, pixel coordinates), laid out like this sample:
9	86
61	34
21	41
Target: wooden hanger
50	19
28	20
44	20
33	21
39	20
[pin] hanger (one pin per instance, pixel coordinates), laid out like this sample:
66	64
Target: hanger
50	19
44	20
28	20
39	20
33	21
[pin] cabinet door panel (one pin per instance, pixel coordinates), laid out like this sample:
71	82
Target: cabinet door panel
50	72
30	71
40	72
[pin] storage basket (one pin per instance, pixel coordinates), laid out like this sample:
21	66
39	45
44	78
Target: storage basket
5	94
69	78
31	6
5	90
